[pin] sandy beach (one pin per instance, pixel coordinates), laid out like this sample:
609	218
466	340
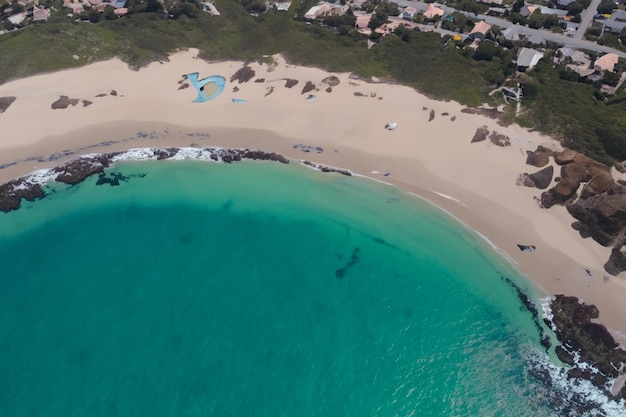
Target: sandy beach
429	153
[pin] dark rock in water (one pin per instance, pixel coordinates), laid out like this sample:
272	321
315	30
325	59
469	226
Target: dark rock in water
540	157
165	153
243	75
431	116
12	193
592	341
481	134
309	86
5	102
326	169
113	180
76	171
341	272
290	83
564	356
87	103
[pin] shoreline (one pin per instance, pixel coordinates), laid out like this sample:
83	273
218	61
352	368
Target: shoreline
428	156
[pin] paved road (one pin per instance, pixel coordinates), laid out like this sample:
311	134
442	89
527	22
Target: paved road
586	18
540	34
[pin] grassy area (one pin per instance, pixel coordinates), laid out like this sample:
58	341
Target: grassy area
434	65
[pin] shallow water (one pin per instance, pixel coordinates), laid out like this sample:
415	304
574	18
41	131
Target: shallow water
196	288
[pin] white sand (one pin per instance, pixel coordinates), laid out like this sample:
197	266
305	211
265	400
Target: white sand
474	182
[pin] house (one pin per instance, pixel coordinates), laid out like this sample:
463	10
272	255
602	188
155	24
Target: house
119	4
481	29
325	9
16	19
362	21
40	15
408	13
121	11
606	62
580	63
75	6
563	4
433	11
528	58
529	9
617	22
282	6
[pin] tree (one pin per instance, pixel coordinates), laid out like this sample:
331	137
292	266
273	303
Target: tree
574	8
517	6
606	7
610	78
485	51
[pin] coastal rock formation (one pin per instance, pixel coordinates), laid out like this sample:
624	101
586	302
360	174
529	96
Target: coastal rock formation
73	172
587	189
76	171
431	116
12	193
585	341
576	170
540	157
5	102
540	179
243	75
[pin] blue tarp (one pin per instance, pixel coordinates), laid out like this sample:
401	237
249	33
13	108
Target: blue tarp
218	80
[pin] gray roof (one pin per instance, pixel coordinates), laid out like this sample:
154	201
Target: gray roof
528	57
614	25
619	15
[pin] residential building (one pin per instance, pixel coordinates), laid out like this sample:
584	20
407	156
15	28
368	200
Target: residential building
433	11
617	22
527	58
481	29
606	62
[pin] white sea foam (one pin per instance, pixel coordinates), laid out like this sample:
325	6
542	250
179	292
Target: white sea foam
577	391
136	154
41	176
201	154
546	310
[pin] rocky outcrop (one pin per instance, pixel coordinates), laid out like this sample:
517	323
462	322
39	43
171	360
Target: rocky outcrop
76	171
13	192
602	216
289	82
576	170
332	81
540	157
540	179
587	189
585	340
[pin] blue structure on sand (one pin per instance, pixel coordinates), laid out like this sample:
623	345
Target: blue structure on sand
219	81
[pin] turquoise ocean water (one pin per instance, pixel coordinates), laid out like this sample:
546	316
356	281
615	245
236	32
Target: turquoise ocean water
255	289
